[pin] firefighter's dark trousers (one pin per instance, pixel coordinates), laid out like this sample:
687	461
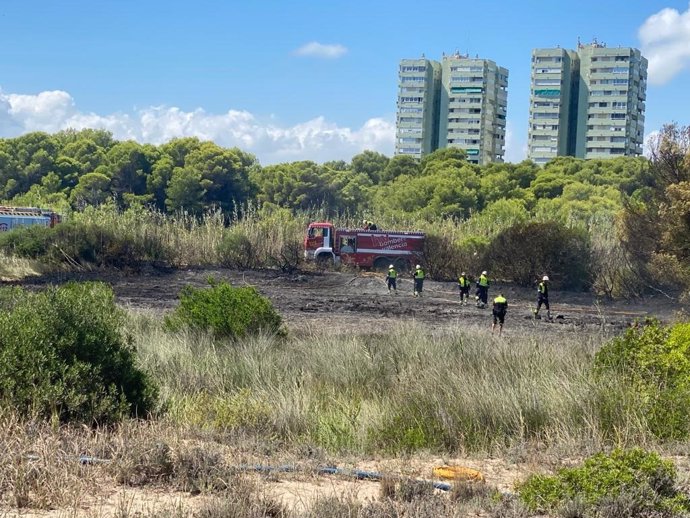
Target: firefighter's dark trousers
464	293
543	300
483	292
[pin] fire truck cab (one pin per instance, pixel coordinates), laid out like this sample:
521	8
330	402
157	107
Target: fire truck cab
364	248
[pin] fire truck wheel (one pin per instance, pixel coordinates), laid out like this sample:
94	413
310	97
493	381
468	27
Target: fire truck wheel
402	265
381	263
324	260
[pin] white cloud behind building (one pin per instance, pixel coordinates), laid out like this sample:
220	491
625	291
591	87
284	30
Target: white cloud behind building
316	139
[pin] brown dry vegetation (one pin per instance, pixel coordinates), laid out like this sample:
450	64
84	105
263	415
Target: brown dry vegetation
357	367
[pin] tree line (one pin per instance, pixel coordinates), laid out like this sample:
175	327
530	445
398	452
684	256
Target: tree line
626	219
75	169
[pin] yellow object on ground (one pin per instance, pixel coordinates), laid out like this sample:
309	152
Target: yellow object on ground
458	473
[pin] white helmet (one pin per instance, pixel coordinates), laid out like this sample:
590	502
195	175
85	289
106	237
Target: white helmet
417	267
484	273
463	274
546	278
391	266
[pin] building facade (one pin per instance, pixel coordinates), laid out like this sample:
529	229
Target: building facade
461	102
419	83
553	107
474	103
611	104
588	103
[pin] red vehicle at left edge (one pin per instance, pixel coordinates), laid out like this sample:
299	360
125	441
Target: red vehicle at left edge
364	248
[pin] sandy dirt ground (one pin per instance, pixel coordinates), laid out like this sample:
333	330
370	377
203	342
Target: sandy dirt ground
355	302
361	302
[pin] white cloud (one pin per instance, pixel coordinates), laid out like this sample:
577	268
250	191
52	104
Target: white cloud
320	50
516	151
665	38
316	139
650	140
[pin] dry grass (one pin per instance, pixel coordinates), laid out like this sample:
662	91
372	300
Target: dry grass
447	391
159	467
16	268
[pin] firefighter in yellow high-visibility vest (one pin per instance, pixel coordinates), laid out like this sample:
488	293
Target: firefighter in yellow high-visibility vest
464	286
418	276
499	313
482	290
391	279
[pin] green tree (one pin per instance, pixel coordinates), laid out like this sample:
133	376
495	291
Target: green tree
185	192
297	185
370	163
400	165
178	149
128	165
224	175
92	189
157	182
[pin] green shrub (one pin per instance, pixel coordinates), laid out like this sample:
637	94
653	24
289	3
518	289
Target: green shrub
79	243
653	363
225	311
62	355
28	242
638	480
440	257
237	251
526	251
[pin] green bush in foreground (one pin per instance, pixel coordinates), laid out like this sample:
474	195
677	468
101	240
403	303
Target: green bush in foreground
622	483
225	311
653	364
62	355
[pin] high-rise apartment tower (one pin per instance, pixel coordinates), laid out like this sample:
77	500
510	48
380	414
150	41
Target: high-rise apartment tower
418	103
474	102
587	103
460	102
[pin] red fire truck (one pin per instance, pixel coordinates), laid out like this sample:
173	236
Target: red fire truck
364	248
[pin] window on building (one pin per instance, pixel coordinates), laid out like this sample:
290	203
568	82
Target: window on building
547	82
618	116
416	68
548	59
542	115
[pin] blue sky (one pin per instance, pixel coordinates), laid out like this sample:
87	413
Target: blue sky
233	71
